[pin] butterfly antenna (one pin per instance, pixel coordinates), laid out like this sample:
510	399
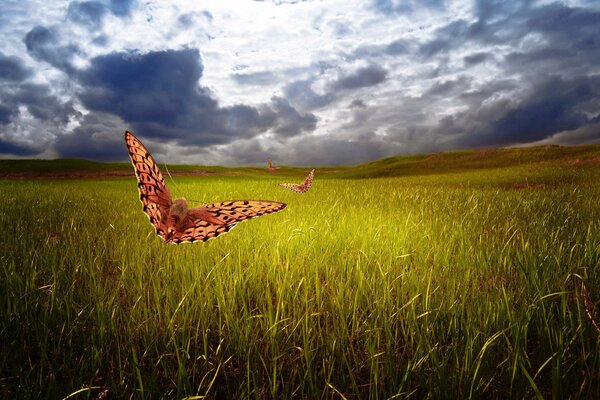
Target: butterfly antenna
175	184
171	176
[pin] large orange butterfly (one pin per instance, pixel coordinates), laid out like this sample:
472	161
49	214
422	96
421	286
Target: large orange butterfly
303	187
173	220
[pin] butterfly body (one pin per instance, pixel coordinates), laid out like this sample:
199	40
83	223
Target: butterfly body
173	220
303	187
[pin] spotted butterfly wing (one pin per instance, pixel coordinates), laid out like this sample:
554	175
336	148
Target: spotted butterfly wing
210	220
154	193
303	187
173	221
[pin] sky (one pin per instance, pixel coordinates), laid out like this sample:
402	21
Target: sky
304	83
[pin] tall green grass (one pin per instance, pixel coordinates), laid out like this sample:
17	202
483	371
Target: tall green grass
441	286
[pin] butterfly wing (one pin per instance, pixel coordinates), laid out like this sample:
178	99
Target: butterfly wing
292	186
154	193
302	187
211	220
308	181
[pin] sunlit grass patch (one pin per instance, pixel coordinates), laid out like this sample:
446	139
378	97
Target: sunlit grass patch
449	285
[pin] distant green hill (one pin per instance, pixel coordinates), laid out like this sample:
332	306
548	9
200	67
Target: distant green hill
419	164
456	161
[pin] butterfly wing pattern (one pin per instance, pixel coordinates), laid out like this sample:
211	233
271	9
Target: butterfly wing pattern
303	187
154	193
173	221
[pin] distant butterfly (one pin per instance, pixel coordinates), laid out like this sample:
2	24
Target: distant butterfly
303	187
271	166
173	220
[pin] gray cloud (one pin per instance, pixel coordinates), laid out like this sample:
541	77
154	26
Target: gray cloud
301	93
259	78
121	7
99	137
553	106
359	103
92	13
390	7
5	114
88	13
9	147
158	93
363	77
288	121
38	101
12	69
449	87
43	105
187	20
476	58
42	43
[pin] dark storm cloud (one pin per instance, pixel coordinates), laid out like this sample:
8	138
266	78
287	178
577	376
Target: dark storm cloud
569	32
42	44
158	87
555	105
16	93
158	93
563	26
550	89
5	114
12	69
366	76
288	121
42	104
8	147
99	137
39	102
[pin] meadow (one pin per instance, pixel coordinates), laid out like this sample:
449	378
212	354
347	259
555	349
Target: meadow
416	277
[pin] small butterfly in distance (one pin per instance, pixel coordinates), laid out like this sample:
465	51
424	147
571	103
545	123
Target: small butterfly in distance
303	187
172	219
271	166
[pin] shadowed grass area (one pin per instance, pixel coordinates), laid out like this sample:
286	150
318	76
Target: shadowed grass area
448	285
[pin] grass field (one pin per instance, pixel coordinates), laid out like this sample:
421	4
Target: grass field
434	280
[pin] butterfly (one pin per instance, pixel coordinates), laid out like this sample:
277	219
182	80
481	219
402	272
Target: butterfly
173	220
303	187
271	166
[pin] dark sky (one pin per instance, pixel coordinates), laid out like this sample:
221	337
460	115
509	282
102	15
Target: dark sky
299	82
